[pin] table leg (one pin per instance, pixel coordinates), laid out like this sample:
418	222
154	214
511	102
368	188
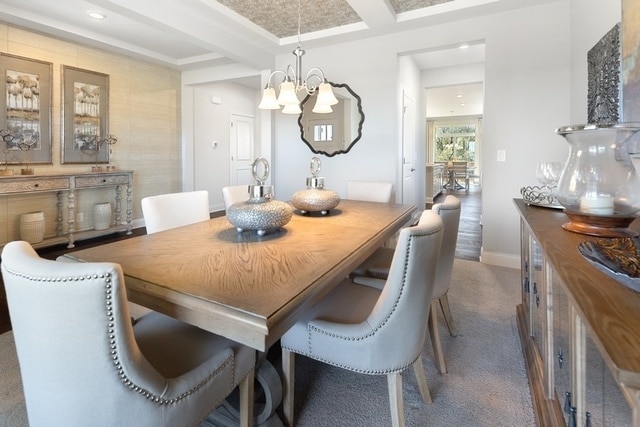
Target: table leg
268	396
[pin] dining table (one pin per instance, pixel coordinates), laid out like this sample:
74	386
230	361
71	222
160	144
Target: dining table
247	287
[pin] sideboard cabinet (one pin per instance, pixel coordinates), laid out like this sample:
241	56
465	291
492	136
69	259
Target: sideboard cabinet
579	328
67	186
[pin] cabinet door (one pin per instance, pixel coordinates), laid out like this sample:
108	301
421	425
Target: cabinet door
605	404
537	306
525	262
562	348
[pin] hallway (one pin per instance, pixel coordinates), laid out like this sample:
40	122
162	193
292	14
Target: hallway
470	230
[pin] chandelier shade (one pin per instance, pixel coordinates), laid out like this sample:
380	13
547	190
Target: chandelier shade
322	109
292	109
325	95
269	100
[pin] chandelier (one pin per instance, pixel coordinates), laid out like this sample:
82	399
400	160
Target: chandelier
293	83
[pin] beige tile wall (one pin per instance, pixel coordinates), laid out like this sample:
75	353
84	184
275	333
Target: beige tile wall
144	113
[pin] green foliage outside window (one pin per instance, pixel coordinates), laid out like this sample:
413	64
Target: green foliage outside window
456	143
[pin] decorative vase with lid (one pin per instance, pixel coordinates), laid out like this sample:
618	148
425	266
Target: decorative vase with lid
261	212
599	186
315	198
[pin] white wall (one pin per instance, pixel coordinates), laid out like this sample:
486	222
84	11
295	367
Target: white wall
409	84
212	123
371	72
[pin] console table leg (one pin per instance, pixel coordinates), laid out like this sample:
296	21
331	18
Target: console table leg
71	206
59	219
129	210
118	205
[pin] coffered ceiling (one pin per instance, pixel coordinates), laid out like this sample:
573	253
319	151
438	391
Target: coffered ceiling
186	34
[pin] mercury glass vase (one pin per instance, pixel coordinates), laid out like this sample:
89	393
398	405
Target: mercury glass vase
261	213
315	198
599	186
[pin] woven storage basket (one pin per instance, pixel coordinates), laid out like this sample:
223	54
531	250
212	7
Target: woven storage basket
32	227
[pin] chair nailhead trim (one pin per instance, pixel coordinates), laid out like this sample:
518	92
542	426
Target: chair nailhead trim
375	330
113	343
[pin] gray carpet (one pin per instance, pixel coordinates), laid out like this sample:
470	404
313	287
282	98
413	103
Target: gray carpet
486	383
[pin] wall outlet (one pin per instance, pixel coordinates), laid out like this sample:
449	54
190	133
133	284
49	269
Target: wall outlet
80	216
502	155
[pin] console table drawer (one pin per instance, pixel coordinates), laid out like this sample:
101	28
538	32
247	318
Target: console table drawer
30	185
98	181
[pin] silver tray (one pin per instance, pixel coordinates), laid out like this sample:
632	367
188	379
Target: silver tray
540	196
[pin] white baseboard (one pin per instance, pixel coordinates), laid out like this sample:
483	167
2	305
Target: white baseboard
500	259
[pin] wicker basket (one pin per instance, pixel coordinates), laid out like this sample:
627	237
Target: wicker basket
32	227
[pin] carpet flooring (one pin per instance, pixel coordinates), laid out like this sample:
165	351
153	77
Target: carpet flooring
486	383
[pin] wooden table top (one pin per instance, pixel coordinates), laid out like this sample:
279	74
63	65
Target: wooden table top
609	310
249	288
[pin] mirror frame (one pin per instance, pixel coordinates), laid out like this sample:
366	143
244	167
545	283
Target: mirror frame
356	139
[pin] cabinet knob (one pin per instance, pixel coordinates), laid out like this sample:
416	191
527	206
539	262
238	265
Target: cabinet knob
36	185
560	358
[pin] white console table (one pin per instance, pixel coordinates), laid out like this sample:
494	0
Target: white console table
67	185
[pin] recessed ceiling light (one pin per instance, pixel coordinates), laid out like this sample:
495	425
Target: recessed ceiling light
97	15
462	104
464	46
459	95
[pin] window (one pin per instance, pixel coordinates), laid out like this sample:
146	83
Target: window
455	142
322	133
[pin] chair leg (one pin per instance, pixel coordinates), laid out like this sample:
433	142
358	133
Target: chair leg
448	319
246	400
288	381
394	381
418	370
434	333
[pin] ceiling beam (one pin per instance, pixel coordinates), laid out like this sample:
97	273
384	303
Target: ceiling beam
202	25
375	13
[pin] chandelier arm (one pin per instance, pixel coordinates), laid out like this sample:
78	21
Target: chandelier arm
317	74
273	73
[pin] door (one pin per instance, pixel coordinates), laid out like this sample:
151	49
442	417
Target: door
408	151
241	149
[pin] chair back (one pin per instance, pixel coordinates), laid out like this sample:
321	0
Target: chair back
166	211
78	358
234	194
449	211
369	191
400	314
460	168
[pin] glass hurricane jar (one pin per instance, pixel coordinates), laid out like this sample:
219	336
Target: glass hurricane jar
599	187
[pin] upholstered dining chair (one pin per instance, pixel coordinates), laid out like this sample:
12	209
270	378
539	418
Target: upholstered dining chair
376	268
83	363
373	331
234	194
369	191
166	211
